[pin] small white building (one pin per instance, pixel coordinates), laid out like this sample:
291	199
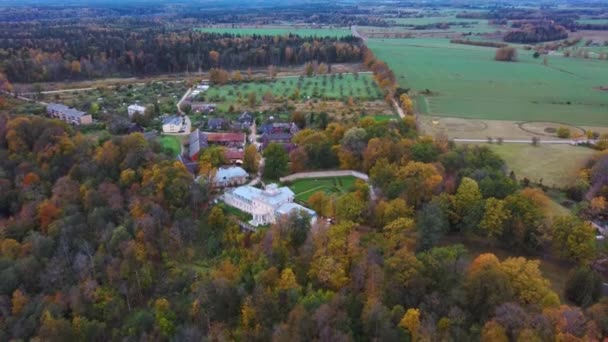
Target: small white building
174	124
136	109
265	205
202	87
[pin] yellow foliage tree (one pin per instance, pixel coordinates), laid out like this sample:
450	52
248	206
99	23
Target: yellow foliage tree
411	322
407	104
288	280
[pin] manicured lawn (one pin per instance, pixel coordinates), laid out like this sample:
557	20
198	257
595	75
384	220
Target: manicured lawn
172	143
280	31
554	164
241	215
330	87
466	82
381	118
304	188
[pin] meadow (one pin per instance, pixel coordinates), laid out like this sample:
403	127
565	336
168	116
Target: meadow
556	165
280	31
304	188
328	87
464	81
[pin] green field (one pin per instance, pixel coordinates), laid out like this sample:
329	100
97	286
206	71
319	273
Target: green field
304	188
555	164
281	31
466	82
331	87
171	143
593	21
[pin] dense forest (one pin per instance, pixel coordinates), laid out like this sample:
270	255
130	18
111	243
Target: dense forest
527	33
78	51
114	240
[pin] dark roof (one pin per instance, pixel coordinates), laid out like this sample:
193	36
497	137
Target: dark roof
277	136
197	141
246	117
215	122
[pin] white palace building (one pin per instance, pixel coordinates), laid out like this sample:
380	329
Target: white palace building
265	205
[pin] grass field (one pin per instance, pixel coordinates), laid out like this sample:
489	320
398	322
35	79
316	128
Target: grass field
466	82
304	188
281	31
332	87
555	164
171	143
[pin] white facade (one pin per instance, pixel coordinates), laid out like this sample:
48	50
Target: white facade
133	109
174	124
264	205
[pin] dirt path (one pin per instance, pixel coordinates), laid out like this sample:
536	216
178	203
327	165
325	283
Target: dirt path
528	141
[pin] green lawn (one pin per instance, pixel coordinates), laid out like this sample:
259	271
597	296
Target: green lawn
304	188
381	118
466	82
554	164
331	87
281	31
172	143
232	211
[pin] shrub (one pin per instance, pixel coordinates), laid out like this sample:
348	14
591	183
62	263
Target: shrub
583	286
563	132
506	54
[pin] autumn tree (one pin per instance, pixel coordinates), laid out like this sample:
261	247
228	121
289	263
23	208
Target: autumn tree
214	56
574	239
419	181
407	104
349	207
251	159
495	216
411	322
506	54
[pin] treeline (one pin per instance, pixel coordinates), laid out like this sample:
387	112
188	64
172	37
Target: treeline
54	53
592	27
536	33
478	43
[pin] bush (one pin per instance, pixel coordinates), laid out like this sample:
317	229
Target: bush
583	286
563	132
506	54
